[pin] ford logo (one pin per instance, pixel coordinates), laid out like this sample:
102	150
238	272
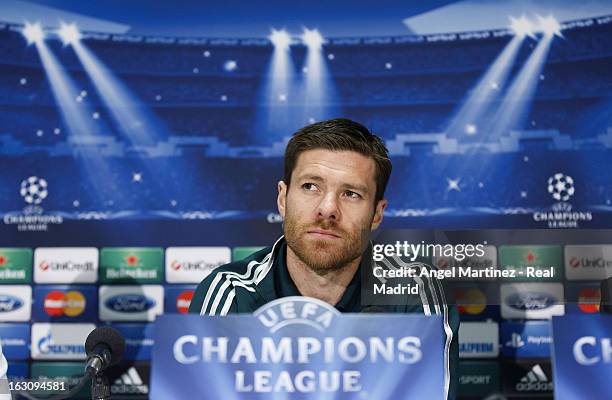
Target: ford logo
530	301
9	303
130	303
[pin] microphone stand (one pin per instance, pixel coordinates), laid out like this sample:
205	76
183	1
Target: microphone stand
100	387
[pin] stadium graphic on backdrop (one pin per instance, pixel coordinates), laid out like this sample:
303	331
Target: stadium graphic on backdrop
211	121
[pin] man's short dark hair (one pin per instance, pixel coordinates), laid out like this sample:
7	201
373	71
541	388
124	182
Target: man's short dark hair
340	134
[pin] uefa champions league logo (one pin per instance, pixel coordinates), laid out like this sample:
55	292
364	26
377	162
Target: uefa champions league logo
562	215
34	190
296	310
561	187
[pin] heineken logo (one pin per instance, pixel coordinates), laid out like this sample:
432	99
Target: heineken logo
15	265
127	264
530	257
131	261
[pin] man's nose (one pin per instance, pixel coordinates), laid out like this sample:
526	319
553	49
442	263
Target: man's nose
329	208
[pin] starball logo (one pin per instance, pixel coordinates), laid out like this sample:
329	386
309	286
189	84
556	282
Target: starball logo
33	190
561	215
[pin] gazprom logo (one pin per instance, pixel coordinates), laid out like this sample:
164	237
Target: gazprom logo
296	310
46	345
530	301
130	303
9	303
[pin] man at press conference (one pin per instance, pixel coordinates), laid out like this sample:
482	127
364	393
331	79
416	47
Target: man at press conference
331	200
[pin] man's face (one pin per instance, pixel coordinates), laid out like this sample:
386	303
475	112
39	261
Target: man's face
329	208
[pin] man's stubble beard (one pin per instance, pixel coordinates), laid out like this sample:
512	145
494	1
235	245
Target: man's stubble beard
323	256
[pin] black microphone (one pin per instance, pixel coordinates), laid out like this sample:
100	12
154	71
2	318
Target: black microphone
104	347
605	306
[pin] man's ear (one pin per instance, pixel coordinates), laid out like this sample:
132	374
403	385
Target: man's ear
281	200
378	214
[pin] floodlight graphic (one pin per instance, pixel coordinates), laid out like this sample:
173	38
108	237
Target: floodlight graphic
312	38
33	32
521	26
280	39
69	33
549	26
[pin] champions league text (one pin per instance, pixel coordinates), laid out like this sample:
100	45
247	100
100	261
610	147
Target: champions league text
190	349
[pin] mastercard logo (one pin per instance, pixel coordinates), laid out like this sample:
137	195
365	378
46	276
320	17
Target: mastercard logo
472	301
588	300
183	300
69	304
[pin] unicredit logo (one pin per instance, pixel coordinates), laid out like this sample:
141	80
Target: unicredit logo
193	266
585	262
130	303
528	301
9	303
66	266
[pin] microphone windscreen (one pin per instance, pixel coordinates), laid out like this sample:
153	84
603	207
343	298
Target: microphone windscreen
110	337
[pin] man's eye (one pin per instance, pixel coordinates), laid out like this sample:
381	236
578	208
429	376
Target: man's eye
309	186
352	195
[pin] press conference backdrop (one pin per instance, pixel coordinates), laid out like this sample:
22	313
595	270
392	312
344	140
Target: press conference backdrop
131	165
